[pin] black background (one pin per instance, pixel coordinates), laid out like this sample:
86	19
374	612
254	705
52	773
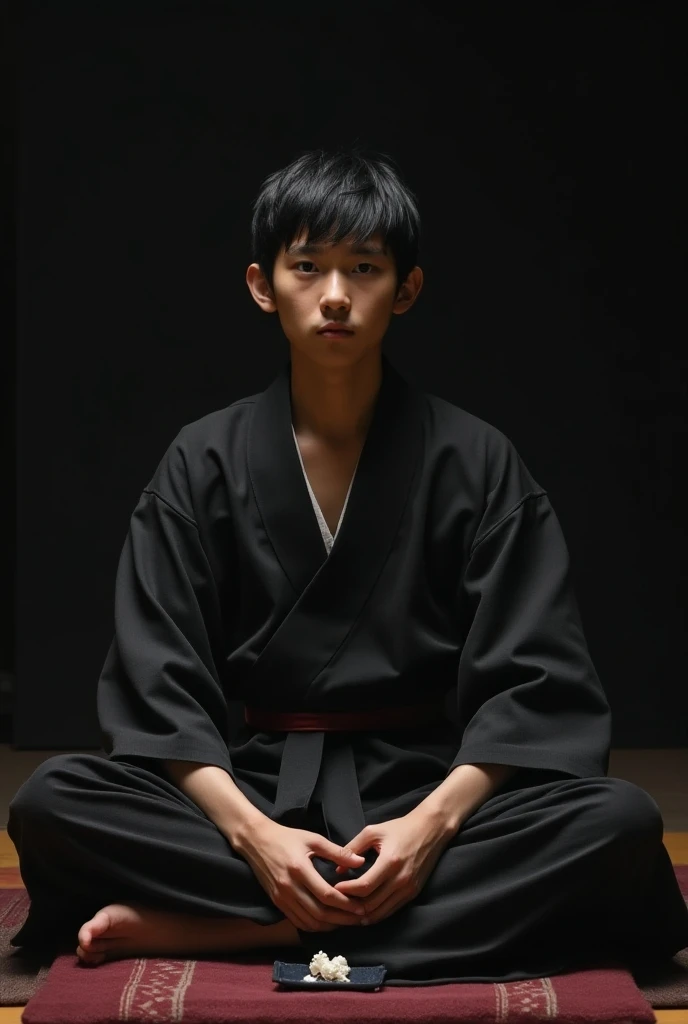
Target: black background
547	150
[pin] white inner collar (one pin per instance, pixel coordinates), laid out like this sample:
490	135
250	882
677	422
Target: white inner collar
327	537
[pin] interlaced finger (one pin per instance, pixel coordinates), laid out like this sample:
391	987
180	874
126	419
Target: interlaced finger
320	911
295	914
382	893
325	893
366	884
393	902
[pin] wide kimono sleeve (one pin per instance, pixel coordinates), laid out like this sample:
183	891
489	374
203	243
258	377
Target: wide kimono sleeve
160	694
528	693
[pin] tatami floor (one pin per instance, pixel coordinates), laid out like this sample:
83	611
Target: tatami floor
662	773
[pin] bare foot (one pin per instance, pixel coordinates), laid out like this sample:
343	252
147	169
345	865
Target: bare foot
121	930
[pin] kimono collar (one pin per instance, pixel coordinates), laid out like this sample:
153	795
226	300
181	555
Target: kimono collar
380	487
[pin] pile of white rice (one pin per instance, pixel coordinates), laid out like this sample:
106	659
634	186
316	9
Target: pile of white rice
321	966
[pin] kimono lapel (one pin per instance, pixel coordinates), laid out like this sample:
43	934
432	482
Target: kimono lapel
329	591
279	486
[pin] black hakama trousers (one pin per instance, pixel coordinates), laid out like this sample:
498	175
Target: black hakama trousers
545	877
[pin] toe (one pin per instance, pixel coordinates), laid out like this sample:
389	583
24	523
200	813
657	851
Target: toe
88	957
94	929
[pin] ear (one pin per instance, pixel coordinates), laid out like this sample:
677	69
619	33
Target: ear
408	291
260	289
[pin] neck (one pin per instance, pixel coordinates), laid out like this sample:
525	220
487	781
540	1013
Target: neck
334	404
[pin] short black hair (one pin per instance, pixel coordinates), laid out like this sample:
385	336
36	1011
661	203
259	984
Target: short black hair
336	195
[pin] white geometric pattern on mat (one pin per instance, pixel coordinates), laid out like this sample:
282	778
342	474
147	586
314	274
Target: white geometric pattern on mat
532	995
156	989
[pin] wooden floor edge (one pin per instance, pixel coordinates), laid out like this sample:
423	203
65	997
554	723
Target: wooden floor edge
677	846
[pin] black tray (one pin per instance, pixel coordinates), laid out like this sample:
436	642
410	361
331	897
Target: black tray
363	979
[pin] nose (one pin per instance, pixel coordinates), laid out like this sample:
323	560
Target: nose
335	294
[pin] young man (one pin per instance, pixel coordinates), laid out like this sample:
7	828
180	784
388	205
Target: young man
351	558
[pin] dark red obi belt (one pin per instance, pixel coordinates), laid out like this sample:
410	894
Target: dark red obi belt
345	721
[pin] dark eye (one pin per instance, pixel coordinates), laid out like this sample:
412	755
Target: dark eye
370	266
305	265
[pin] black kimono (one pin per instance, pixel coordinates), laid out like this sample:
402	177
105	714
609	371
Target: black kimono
448	581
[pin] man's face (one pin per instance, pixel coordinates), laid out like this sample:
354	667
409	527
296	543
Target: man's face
352	285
